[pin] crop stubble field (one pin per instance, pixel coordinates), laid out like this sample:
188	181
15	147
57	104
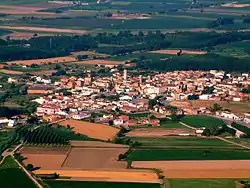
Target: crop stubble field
199	169
158	132
92	130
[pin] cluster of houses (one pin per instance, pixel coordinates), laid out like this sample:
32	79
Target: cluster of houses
131	94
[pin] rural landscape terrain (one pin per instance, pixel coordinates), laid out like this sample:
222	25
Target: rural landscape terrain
125	93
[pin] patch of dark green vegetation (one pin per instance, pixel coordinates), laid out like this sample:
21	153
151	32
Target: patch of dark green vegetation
187	154
9	170
79	184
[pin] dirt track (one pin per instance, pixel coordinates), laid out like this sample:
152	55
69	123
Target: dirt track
93	130
199	169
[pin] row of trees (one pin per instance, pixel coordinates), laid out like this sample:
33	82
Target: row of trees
201	62
41	135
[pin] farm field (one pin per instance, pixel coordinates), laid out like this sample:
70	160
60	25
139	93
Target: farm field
166	123
45	158
89	158
44	29
5	71
184	142
98	62
234	107
159	132
204	183
201	121
199	169
107	175
8	170
92	130
43	61
80	184
174	52
188	154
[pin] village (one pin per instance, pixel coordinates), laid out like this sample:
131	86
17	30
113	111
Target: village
122	94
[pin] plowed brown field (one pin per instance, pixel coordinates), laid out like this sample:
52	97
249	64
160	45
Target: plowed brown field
95	158
64	59
199	169
45	158
93	130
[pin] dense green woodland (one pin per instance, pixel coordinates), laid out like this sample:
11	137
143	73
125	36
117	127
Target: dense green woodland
126	42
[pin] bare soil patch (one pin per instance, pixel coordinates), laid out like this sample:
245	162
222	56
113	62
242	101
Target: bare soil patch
126	175
199	169
64	59
44	72
44	29
95	158
174	52
45	158
183	104
10	72
93	130
98	62
158	132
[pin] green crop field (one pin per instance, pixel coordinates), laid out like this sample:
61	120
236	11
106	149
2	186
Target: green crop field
201	121
9	170
187	142
166	123
201	183
187	154
80	184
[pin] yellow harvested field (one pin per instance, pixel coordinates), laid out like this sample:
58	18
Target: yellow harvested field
99	62
158	132
64	59
126	175
95	144
44	29
93	130
174	52
10	72
235	5
199	169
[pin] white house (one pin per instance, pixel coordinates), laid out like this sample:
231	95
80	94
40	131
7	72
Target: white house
11	123
118	122
81	116
229	115
4	120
